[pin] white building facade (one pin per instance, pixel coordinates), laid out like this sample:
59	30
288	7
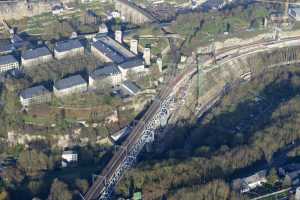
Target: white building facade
7	63
70	85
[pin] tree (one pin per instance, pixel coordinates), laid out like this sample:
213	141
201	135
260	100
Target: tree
35	186
4	195
272	176
13	176
34	162
287	182
82	185
59	191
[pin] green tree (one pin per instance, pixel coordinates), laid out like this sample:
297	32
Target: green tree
59	191
272	176
13	176
4	195
82	185
34	162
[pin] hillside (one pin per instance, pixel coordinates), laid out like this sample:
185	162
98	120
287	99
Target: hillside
251	123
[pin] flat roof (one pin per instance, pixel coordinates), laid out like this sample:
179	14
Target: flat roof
105	71
35	53
108	51
69	82
128	64
131	86
67	45
7	59
68	152
34	91
116	46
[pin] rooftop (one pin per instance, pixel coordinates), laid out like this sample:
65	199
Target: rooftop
132	63
34	91
116	46
105	71
67	45
69	82
7	59
69	152
35	53
131	87
255	177
109	52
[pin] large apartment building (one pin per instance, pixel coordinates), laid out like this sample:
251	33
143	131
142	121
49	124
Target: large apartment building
70	85
110	50
135	65
105	53
107	75
8	62
35	95
35	56
68	48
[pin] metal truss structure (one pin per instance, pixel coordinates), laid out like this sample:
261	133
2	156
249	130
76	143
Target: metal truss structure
151	129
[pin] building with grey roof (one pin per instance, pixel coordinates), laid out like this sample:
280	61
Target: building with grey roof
116	46
135	65
248	183
130	88
8	62
107	75
68	48
35	56
70	85
35	95
106	53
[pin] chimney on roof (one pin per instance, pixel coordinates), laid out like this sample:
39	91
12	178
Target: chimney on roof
159	63
118	36
147	56
134	46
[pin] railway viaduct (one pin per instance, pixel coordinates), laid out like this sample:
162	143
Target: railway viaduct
133	13
214	76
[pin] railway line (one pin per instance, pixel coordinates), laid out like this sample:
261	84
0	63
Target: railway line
129	145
